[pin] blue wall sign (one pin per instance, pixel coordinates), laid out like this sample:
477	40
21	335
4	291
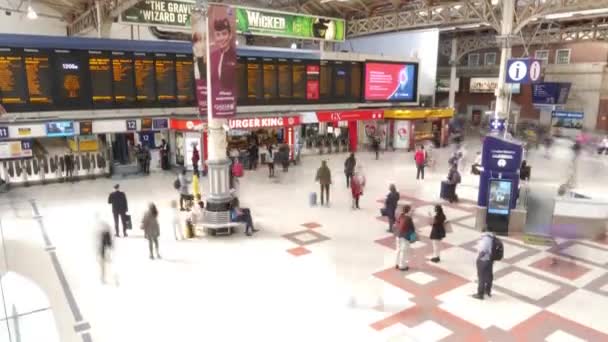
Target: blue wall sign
550	93
497	125
3	132
131	125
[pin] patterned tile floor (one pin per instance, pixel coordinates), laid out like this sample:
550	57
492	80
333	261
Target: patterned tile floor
311	273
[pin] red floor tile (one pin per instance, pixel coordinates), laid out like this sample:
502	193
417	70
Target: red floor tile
298	251
311	225
560	267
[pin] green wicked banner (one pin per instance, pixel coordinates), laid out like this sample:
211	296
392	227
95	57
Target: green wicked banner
159	12
272	23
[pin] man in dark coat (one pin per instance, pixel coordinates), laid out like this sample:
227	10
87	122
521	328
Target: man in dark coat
390	206
349	168
120	207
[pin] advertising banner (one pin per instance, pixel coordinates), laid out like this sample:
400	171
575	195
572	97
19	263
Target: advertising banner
391	81
350	115
199	53
489	85
443	85
501	155
222	60
240	123
401	134
159	12
499	196
280	24
312	82
568	123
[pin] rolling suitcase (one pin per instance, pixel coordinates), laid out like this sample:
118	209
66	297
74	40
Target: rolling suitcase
312	199
444	193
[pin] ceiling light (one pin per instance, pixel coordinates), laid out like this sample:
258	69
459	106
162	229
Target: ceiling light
457	7
294	45
495	2
559	15
423	13
31	14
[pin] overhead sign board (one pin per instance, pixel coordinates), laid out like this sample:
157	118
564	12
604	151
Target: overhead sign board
550	93
523	70
159	12
291	25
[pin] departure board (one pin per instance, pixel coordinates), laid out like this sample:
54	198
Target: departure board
298	72
325	80
241	79
284	79
340	71
12	78
165	78
39	77
254	79
69	78
144	78
270	79
184	71
122	78
355	81
100	68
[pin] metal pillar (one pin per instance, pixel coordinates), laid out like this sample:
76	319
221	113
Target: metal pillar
505	42
453	64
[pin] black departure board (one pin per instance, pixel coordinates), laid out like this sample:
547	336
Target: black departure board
86	127
340	71
355	81
70	78
39	77
254	79
123	78
325	80
165	78
284	79
241	79
270	79
146	124
12	77
144	78
100	68
298	72
184	71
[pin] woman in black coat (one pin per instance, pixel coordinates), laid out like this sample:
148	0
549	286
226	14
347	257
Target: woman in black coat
437	232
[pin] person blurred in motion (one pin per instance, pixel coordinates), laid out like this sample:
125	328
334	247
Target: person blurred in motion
151	229
141	159
603	146
238	214
390	206
403	238
184	194
420	158
178	230
324	179
253	156
357	185
106	245
164	155
120	208
196	189
270	161
349	168
453	180
196	157
376	146
437	232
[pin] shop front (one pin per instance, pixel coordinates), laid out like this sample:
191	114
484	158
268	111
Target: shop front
338	130
261	131
410	127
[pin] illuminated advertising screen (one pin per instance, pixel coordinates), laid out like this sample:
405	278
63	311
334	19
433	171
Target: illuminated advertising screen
396	82
60	128
499	197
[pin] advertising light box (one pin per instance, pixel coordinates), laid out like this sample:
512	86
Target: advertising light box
500	197
60	128
395	82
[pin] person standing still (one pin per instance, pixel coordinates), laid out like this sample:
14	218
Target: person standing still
376	146
324	179
270	162
120	208
485	266
151	229
437	232
405	227
357	185
420	158
349	168
147	160
196	157
183	190
390	206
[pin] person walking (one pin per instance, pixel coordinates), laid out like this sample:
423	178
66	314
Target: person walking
390	206
376	146
420	158
196	157
151	230
120	208
485	266
105	250
357	185
270	161
183	190
403	237
349	168
324	179
437	232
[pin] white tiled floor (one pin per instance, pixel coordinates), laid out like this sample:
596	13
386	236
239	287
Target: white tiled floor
587	253
526	285
589	308
420	278
429	331
562	336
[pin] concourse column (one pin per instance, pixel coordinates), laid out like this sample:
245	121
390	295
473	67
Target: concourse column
453	64
505	43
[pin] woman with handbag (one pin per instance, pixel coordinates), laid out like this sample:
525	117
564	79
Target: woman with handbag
405	235
437	232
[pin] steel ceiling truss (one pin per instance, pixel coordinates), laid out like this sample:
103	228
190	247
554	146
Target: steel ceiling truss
455	14
108	11
591	31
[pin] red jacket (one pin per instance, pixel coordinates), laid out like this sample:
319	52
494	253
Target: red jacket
420	156
356	185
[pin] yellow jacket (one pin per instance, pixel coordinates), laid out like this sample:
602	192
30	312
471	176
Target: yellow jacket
196	190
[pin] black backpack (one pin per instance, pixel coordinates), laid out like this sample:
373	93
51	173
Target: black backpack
177	184
498	249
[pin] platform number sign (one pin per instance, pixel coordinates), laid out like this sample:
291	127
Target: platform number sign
3	132
523	70
26	145
131	125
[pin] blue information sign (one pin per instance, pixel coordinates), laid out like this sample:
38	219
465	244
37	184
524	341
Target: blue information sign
131	125
550	93
3	132
523	70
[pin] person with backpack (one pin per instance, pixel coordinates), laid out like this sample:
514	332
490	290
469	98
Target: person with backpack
420	158
405	234
453	180
490	249
349	168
